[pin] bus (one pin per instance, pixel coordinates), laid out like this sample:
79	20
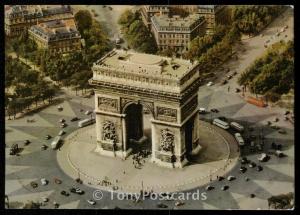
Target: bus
239	139
237	126
55	143
221	123
86	122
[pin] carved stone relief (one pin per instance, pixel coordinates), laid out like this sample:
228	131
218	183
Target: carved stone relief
167	140
109	132
166	114
108	104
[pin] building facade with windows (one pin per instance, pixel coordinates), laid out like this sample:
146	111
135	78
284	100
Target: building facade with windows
19	18
176	33
148	11
56	36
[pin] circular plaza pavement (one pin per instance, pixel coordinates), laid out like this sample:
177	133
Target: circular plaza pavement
77	158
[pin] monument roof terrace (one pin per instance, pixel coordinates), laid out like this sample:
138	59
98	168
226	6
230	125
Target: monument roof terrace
131	68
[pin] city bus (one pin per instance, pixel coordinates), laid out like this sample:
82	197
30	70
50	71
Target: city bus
237	126
86	122
221	123
55	143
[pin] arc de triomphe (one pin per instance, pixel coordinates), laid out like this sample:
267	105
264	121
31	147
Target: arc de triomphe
125	83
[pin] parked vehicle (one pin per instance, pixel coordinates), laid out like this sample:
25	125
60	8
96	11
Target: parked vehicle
63	125
64	193
26	142
281	131
76	190
252	165
244	160
44	147
239	139
202	110
225	187
279	153
237	90
86	122
62	120
74	119
91	202
60	108
44	181
62	132
56	142
14	149
263	157
88	112
243	169
209	187
231	178
48	137
33	184
221	124
259	168
214	110
237	126
57	181
209	84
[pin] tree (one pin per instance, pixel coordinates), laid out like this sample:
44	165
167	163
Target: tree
83	20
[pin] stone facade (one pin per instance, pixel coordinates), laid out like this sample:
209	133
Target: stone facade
171	131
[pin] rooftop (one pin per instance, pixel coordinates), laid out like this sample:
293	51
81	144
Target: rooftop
146	64
176	21
56	29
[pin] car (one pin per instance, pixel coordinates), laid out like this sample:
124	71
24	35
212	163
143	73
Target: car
88	112
209	187
252	165
63	125
281	131
224	82
44	147
263	157
276	119
179	203
60	108
231	178
202	110
56	205
276	146
209	84
275	127
45	199
33	184
57	181
252	195
234	73
269	123
259	168
91	202
225	187
247	179
62	120
76	190
237	90
279	153
44	181
161	205
26	142
74	119
244	160
223	118
48	137
14	149
64	193
229	77
214	110
62	132
220	178
243	169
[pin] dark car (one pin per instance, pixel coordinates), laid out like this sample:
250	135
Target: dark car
252	165
225	187
229	77
161	205
44	147
244	160
237	90
259	168
209	187
33	184
74	119
224	82
243	169
26	142
76	190
220	178
64	193
223	118
214	110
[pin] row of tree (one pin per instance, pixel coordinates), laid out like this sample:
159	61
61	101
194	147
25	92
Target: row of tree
24	86
251	19
136	33
273	74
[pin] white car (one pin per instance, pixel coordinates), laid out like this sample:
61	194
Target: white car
202	110
230	178
209	84
88	112
44	181
45	199
91	202
264	157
